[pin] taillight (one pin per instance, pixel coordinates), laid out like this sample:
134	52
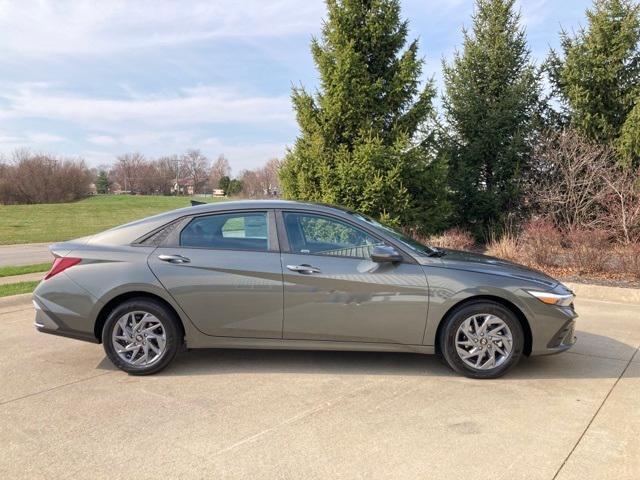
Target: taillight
60	264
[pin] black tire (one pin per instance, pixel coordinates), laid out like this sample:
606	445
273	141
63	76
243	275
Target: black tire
458	316
170	326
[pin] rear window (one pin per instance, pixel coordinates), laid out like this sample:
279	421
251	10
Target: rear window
229	231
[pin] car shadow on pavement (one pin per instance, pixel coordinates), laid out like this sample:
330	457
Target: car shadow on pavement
224	361
594	356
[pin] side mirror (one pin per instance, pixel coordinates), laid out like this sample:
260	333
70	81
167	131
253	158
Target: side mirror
383	253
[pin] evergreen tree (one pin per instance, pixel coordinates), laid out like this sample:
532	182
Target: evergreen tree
102	182
628	143
234	188
366	139
491	106
598	76
224	183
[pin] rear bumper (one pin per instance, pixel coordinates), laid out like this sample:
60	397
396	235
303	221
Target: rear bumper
64	308
48	322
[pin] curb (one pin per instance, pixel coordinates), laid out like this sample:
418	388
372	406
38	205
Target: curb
15	300
603	293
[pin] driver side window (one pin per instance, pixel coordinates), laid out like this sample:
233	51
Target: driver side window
320	235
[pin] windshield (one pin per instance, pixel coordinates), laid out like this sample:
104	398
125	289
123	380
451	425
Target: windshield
407	241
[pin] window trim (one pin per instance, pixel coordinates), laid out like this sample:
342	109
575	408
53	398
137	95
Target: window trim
285	247
173	240
139	242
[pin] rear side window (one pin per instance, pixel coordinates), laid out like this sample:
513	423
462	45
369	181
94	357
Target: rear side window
229	231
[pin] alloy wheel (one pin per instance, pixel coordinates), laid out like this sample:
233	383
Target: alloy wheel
484	341
139	338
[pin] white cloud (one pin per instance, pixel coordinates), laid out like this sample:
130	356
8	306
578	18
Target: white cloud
43	137
45	27
245	155
154	124
206	104
535	12
32	140
102	140
241	155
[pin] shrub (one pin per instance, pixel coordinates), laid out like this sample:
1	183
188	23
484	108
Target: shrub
629	260
454	238
39	178
541	242
505	247
590	249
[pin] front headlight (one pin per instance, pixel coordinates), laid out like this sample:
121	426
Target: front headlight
559	299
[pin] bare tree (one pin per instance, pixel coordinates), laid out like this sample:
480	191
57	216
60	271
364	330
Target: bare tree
167	171
261	182
196	168
129	171
272	178
220	168
567	183
621	202
252	183
149	183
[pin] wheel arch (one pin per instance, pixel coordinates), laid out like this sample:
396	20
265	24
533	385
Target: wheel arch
118	299
524	322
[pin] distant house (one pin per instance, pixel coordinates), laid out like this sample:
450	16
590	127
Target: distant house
218	192
184	186
116	188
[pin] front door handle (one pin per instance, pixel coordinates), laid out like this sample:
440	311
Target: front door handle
174	258
304	268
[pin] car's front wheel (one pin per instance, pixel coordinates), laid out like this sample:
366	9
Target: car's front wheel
482	340
141	336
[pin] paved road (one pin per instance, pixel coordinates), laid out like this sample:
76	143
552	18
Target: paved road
66	413
26	254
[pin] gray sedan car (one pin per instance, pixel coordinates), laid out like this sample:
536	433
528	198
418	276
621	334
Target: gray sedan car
289	275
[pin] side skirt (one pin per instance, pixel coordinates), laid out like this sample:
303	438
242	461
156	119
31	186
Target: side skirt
281	344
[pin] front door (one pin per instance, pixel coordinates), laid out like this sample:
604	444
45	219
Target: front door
333	291
225	273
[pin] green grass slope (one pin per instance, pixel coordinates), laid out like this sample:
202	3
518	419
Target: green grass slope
63	221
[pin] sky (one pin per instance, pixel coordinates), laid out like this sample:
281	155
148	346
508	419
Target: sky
96	79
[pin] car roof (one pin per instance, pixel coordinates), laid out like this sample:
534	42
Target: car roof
253	204
127	233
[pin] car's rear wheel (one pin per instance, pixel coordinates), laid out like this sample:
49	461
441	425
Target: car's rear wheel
141	336
482	340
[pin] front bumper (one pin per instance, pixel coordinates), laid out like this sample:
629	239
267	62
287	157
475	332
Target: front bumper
553	329
564	339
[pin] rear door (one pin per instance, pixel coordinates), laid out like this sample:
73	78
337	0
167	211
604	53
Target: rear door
333	291
224	271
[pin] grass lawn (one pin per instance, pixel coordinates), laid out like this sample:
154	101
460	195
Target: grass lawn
63	221
18	288
23	269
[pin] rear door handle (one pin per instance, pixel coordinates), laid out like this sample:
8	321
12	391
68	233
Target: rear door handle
174	258
304	268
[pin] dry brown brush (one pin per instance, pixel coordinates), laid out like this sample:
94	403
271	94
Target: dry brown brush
42	178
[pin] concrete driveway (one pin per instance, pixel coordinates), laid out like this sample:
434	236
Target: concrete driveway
66	413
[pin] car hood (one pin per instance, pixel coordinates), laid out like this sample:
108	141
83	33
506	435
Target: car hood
475	262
